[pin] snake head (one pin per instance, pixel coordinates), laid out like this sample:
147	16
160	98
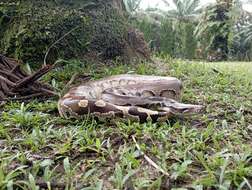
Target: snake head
72	106
180	108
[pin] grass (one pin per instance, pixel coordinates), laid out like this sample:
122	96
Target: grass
38	149
243	67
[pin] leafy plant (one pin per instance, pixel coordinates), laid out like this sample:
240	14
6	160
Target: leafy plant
120	177
8	178
185	10
132	5
180	170
23	118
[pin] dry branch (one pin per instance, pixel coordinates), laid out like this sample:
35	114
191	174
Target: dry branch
16	84
150	161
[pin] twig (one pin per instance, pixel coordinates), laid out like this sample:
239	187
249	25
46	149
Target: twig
73	78
217	71
151	162
70	82
7	81
25	97
10	75
16	84
53	44
49	92
34	77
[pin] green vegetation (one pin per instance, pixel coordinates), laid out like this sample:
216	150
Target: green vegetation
217	32
212	150
41	150
131	5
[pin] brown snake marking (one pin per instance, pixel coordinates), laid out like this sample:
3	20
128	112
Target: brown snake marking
138	97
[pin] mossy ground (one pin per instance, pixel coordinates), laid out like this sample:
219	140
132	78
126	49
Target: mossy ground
208	151
29	28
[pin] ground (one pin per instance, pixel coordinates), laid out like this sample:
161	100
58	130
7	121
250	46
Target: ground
208	151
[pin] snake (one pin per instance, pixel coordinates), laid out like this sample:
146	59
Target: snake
136	97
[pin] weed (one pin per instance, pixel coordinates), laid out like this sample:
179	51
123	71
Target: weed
213	150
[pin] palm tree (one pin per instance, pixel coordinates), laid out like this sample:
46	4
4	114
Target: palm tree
247	30
175	26
185	9
243	38
215	27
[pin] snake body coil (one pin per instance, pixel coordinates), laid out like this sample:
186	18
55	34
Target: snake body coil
138	97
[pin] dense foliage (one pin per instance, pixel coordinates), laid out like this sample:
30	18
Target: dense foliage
218	31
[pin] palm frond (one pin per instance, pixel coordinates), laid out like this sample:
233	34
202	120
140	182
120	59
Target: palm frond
192	6
185	9
132	5
246	32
